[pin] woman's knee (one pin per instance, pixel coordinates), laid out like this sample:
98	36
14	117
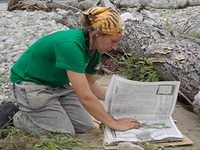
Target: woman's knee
23	122
84	127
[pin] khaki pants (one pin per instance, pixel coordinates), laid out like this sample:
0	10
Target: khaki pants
47	109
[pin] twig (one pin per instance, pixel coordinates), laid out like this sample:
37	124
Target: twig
68	6
124	52
110	55
106	70
15	5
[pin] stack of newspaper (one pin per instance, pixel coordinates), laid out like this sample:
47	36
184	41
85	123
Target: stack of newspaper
151	103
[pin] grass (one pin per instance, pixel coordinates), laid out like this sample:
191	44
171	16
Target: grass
15	139
138	68
196	35
149	146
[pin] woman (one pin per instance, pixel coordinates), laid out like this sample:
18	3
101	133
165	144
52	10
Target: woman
54	80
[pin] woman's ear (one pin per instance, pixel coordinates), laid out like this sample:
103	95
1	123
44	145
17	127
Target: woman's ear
96	35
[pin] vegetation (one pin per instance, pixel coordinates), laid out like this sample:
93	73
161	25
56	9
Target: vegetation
15	139
150	146
138	68
196	35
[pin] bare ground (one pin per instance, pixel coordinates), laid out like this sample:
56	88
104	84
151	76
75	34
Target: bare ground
189	125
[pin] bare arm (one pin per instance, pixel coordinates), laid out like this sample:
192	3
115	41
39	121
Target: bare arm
98	90
94	107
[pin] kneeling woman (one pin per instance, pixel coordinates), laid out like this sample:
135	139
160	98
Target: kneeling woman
54	82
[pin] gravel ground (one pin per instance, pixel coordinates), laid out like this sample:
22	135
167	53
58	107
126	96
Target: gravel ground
18	29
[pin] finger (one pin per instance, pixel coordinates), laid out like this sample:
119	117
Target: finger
135	125
135	121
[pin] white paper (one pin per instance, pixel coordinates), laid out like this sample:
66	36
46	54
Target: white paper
151	103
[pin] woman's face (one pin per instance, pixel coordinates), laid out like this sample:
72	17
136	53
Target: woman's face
105	43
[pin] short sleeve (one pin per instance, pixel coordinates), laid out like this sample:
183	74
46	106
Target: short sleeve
94	64
69	55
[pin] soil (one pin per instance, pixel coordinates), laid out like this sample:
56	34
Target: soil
189	125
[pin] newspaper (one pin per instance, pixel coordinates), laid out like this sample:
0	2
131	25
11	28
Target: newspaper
151	103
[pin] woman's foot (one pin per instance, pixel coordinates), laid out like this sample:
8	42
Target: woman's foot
7	111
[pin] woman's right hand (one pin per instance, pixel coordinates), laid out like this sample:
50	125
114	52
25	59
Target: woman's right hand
124	124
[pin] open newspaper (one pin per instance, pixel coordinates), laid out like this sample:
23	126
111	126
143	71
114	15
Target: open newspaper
151	103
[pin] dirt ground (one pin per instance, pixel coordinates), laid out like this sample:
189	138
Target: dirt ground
189	125
187	122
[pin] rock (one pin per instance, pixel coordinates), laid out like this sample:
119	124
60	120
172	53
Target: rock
128	146
2	46
196	103
18	29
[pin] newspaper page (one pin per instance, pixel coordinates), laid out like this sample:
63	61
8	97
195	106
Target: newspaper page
151	103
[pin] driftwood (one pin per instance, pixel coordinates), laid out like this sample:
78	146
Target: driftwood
107	3
175	57
166	4
36	5
50	5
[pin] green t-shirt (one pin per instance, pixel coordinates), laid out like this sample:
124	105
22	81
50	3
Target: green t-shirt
46	60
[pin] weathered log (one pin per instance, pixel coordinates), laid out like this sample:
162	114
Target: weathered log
107	3
166	4
12	4
50	5
37	5
175	57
